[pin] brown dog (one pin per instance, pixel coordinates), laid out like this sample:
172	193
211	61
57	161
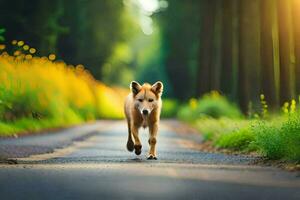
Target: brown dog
142	109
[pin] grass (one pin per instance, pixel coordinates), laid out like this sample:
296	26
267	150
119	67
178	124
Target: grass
26	125
273	136
39	92
212	128
279	140
239	140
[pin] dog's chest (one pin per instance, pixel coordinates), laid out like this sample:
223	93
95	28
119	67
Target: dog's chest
145	122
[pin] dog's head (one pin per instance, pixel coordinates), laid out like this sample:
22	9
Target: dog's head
146	96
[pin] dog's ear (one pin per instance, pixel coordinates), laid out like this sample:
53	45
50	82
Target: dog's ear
135	87
157	88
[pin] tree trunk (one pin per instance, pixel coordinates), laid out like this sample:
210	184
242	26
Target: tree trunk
267	52
296	25
249	53
286	50
227	62
217	47
206	46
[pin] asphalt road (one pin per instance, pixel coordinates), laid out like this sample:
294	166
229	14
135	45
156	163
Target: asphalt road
91	162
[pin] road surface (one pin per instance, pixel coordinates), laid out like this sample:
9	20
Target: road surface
91	162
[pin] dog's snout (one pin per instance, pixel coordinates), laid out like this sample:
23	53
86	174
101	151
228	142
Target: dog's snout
145	112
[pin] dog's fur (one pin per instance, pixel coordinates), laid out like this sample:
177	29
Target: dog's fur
142	109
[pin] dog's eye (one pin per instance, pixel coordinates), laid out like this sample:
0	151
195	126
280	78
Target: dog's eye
150	100
140	100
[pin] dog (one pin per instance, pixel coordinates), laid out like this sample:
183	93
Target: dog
142	109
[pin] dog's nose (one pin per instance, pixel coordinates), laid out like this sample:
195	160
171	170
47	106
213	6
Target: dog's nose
145	112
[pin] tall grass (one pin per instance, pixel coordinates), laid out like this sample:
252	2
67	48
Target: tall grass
50	93
275	136
279	140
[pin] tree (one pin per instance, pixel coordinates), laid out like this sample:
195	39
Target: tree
296	26
208	13
227	57
268	40
217	47
46	26
286	50
93	31
249	53
79	31
179	43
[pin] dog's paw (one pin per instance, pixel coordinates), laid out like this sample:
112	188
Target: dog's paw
130	145
151	157
138	149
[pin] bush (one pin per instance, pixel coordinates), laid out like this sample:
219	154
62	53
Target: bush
268	140
279	140
169	108
212	128
291	136
216	106
213	105
238	140
35	90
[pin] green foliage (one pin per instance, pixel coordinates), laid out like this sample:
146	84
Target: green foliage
8	129
24	125
216	106
116	70
19	104
264	106
169	108
149	60
238	140
291	138
212	128
2	31
179	26
279	140
269	140
79	32
212	104
276	138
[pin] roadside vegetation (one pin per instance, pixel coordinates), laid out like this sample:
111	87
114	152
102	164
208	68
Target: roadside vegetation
275	136
40	92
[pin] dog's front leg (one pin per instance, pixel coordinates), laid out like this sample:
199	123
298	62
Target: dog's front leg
153	129
137	142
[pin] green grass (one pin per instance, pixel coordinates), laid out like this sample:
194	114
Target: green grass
212	128
279	140
220	122
239	140
25	125
275	138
